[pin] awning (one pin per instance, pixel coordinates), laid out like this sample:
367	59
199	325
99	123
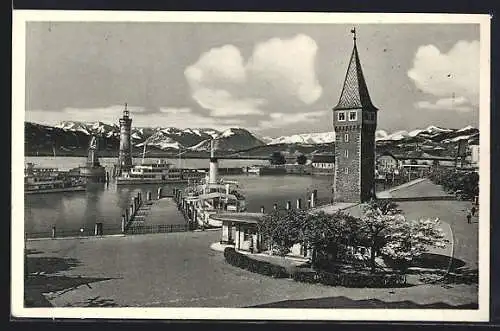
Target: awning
247	218
216	195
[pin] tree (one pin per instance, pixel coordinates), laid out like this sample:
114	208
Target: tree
318	231
301	159
322	232
412	239
277	158
465	183
281	229
376	226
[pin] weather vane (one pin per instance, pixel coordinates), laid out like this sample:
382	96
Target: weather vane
353	31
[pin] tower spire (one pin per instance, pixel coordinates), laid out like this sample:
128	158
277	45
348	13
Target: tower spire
354	93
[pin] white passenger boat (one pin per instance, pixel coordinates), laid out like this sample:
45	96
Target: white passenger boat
214	195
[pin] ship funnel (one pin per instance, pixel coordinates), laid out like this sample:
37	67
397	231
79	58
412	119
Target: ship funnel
214	166
212	148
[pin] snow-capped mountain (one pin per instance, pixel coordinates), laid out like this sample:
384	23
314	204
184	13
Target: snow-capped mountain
71	135
232	139
305	138
75	136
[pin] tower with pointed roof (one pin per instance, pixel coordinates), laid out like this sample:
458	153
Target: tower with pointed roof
355	122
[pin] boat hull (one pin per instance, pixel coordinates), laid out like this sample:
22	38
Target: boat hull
57	190
127	181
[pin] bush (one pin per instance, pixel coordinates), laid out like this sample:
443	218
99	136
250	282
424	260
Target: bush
354	280
314	277
305	277
261	267
465	184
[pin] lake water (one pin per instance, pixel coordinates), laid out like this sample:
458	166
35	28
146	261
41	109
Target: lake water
106	203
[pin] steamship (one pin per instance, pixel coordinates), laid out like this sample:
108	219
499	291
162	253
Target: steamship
50	180
146	173
214	195
160	172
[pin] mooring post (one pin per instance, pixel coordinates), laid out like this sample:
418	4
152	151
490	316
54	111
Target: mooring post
299	203
123	223
136	204
312	201
53	232
262	209
98	229
288	205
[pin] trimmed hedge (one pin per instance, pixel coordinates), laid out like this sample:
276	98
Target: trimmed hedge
261	267
354	280
314	277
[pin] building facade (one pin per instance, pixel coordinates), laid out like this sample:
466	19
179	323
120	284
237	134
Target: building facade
387	162
355	122
323	161
474	155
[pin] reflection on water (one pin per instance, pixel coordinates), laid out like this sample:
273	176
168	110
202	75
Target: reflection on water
106	203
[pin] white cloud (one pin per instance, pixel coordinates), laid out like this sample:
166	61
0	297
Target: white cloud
108	114
175	110
217	65
278	69
222	103
287	65
278	120
458	104
446	74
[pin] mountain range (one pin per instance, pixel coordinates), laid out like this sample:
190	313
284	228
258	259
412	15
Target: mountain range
72	138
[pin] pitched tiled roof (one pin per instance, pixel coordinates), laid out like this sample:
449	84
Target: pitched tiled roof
323	158
354	92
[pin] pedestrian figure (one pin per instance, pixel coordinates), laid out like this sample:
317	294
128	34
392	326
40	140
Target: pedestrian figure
473	210
469	216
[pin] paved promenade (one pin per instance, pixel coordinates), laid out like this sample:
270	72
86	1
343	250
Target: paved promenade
179	270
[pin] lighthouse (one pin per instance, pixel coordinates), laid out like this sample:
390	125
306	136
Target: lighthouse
125	154
214	166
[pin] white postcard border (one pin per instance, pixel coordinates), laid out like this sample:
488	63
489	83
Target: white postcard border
20	17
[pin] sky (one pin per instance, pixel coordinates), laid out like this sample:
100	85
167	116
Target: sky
273	79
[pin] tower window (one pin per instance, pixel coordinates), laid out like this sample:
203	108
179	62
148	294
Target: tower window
341	116
353	116
346	137
346	153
